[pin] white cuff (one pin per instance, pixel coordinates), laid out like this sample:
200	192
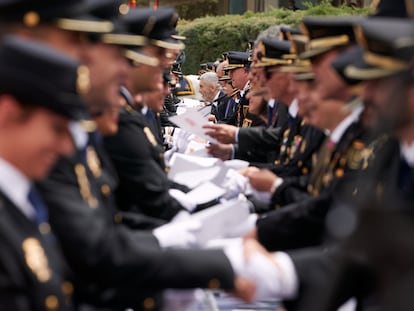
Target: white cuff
276	184
234	253
288	275
236	136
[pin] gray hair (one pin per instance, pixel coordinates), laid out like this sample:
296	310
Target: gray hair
273	32
210	78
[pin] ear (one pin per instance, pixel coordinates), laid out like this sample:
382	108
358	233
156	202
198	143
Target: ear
138	98
10	110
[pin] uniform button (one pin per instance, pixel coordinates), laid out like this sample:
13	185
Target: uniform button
305	171
117	218
149	303
339	173
31	19
67	288
51	303
105	190
214	284
44	228
300	163
161	155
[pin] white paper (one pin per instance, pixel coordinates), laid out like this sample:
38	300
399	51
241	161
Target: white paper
183	162
192	120
218	221
193	178
204	193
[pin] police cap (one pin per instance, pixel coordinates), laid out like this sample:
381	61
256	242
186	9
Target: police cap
40	76
238	60
272	52
327	33
387	48
66	14
395	8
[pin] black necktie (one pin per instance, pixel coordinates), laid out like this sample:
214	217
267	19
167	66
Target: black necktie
270	113
41	215
405	176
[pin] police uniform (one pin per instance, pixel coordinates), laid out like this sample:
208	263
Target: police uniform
137	149
373	263
241	60
263	145
309	198
33	274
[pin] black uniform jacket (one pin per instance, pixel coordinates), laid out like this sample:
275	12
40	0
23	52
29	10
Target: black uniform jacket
261	144
32	274
139	162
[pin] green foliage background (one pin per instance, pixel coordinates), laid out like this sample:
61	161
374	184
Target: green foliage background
209	36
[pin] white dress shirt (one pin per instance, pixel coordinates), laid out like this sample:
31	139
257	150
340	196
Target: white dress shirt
16	187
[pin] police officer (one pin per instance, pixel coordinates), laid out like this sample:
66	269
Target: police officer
38	97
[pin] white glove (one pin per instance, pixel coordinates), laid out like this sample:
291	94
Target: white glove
180	234
234	183
274	277
266	276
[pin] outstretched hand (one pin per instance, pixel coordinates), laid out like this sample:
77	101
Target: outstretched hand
223	133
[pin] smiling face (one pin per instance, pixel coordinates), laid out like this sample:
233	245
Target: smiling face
108	69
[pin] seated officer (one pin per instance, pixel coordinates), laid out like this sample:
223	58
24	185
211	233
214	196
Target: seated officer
238	70
144	186
375	264
38	97
300	196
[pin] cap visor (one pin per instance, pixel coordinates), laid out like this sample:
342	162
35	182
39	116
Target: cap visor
142	59
176	45
314	52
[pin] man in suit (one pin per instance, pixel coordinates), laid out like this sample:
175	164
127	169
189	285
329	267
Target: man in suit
211	92
38	97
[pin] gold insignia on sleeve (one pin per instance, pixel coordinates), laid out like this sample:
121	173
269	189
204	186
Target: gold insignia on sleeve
247	123
303	146
36	259
358	156
245	109
150	136
84	186
93	161
83	83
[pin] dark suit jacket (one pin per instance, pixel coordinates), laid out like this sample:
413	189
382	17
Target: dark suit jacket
218	108
30	268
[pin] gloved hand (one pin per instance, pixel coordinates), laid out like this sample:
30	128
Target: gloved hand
234	183
181	234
